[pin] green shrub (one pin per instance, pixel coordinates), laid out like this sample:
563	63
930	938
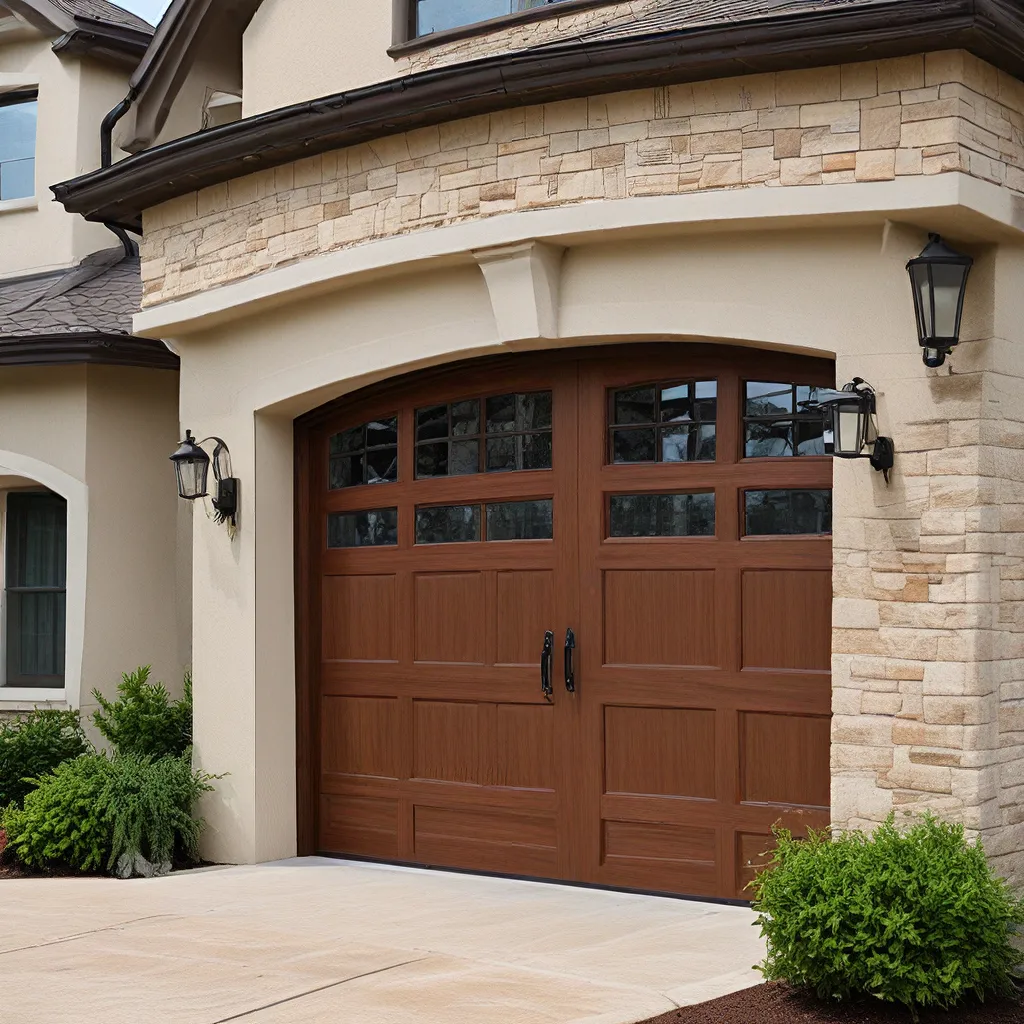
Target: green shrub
914	917
34	744
144	720
123	814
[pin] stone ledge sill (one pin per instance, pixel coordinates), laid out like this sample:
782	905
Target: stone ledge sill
17	205
31	700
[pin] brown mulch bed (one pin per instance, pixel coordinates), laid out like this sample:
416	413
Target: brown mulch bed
777	1004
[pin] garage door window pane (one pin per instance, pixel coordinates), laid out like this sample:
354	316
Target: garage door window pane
367	454
520	520
514	433
787	512
662	515
448	524
778	423
373	528
666	422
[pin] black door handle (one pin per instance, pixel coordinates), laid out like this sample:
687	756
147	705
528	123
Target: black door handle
545	665
570	646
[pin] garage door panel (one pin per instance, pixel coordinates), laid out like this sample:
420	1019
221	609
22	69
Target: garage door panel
680	857
660	617
446	741
524	609
785	759
490	840
701	712
359	618
524	746
787	619
450	611
359	736
367	827
660	751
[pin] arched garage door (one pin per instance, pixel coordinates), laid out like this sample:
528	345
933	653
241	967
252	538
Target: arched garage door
667	509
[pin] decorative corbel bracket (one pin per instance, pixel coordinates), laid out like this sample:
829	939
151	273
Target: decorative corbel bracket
524	282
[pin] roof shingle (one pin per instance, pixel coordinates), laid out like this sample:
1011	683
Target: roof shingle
104	12
99	295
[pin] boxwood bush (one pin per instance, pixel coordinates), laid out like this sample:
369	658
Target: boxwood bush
34	744
123	814
915	917
144	720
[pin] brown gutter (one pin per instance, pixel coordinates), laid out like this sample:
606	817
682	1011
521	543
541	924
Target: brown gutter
92	347
992	30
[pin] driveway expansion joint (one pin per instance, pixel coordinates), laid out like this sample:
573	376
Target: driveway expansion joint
318	988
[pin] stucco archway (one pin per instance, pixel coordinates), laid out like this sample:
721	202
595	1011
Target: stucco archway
76	494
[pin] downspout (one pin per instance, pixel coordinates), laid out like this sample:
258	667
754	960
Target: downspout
131	250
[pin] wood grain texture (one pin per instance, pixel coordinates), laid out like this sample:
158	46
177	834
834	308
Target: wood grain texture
660	617
786	759
702	705
450	618
359	618
787	619
525	607
660	751
359	736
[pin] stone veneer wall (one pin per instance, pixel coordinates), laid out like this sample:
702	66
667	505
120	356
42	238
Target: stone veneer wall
863	122
928	616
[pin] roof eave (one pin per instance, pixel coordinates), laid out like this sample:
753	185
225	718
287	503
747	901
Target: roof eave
991	29
91	347
123	47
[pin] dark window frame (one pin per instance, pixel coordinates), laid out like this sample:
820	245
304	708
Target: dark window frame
19	680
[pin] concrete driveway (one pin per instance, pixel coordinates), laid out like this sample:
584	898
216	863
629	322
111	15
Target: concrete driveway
316	940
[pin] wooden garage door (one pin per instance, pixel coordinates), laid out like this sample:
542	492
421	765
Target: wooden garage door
657	519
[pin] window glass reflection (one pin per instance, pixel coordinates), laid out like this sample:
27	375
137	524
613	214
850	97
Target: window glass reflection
787	512
670	422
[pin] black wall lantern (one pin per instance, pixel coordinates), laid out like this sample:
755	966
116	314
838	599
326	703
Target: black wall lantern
192	467
850	419
939	281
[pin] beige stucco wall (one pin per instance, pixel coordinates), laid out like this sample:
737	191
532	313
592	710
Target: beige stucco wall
901	119
914	633
774	210
296	50
100	436
74	95
134	614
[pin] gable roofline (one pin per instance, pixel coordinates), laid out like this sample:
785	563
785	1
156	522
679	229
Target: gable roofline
168	59
992	30
119	41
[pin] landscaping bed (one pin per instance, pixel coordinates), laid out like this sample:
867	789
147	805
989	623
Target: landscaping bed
776	1003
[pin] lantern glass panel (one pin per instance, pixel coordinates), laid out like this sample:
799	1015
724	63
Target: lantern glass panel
848	428
920	277
192	477
947	280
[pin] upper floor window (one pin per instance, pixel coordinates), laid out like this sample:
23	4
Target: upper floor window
17	145
438	15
